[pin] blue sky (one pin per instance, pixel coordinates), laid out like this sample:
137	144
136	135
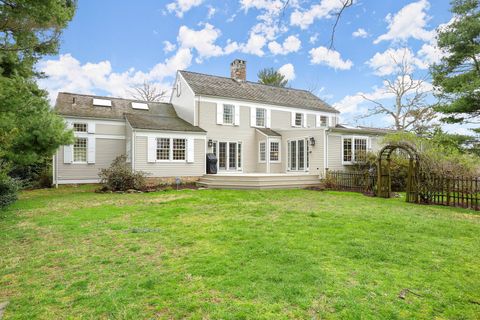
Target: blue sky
112	46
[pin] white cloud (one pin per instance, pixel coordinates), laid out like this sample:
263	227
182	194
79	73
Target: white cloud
67	74
313	39
254	45
211	12
291	44
409	22
288	70
352	103
203	41
360	33
304	19
168	46
387	62
330	58
182	6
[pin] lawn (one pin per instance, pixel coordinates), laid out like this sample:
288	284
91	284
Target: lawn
217	254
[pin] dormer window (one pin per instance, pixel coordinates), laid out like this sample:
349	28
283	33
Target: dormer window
102	102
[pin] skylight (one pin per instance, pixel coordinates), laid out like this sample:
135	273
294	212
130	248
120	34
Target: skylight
102	102
140	106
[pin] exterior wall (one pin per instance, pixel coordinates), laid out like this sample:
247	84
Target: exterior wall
106	151
310	120
185	103
169	168
117	129
261	166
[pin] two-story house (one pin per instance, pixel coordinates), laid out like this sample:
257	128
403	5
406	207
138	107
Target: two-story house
257	132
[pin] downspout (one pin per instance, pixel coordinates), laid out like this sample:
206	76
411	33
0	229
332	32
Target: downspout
133	150
325	151
267	154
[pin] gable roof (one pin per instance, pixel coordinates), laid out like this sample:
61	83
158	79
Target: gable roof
159	116
204	84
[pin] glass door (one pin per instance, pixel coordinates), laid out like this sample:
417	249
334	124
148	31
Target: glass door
298	155
230	156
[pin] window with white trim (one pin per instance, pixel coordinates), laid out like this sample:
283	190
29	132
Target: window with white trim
179	149
163	149
299	119
274	151
80	150
323	121
262	152
228	113
260	117
179	88
354	149
80	127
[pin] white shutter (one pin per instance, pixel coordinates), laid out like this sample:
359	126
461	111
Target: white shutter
317	120
237	115
268	122
68	154
152	149
293	119
304	120
253	117
91	127
190	150
219	113
91	149
69	125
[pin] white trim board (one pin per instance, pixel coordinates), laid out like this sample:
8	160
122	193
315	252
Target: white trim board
169	134
77	181
113	122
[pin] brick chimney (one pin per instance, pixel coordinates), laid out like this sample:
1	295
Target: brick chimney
238	70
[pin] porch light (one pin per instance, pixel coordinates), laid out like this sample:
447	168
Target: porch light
210	143
312	141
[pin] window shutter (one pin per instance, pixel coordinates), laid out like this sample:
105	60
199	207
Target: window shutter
304	120
67	153
317	120
268	120
190	150
219	113
91	127
237	115
293	119
152	149
253	117
91	149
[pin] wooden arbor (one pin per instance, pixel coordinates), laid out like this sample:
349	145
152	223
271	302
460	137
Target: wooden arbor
384	180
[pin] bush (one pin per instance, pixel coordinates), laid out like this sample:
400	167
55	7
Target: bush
8	191
35	175
119	176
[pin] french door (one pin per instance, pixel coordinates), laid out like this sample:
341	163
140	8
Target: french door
298	155
229	156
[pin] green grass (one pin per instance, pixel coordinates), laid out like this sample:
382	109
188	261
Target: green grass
213	254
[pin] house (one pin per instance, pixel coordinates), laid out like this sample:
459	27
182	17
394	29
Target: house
257	132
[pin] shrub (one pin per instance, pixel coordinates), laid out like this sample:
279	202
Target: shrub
8	191
120	177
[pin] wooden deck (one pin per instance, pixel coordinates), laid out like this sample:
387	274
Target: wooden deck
258	181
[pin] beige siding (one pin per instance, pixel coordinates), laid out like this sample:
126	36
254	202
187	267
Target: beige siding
118	129
259	137
311	120
335	152
169	169
281	119
106	151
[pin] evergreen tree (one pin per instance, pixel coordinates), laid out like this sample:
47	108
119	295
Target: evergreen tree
272	77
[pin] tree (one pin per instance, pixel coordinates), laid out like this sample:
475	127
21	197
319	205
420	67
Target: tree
457	76
409	110
272	77
148	92
29	129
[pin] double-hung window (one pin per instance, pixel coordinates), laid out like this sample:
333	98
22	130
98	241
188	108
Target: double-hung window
163	149
323	121
169	149
80	150
228	113
179	149
274	151
260	117
262	152
354	150
80	127
299	119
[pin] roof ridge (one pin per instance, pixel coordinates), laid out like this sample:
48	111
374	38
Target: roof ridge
110	97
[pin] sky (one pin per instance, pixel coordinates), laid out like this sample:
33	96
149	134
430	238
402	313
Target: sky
112	46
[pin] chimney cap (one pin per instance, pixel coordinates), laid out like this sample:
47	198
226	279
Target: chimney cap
238	61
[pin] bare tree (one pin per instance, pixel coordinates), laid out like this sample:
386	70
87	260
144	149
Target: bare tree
409	109
148	92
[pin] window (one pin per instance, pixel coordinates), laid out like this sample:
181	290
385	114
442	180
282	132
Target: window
228	110
274	151
80	150
323	121
354	149
163	149
298	119
179	150
80	127
260	117
262	152
179	88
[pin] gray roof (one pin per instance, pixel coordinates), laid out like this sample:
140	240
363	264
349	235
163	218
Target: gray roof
152	122
269	132
159	116
203	84
362	129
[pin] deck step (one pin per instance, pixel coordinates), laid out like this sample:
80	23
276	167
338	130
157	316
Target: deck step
261	181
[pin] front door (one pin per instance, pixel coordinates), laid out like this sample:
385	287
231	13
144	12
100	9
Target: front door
229	156
298	155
